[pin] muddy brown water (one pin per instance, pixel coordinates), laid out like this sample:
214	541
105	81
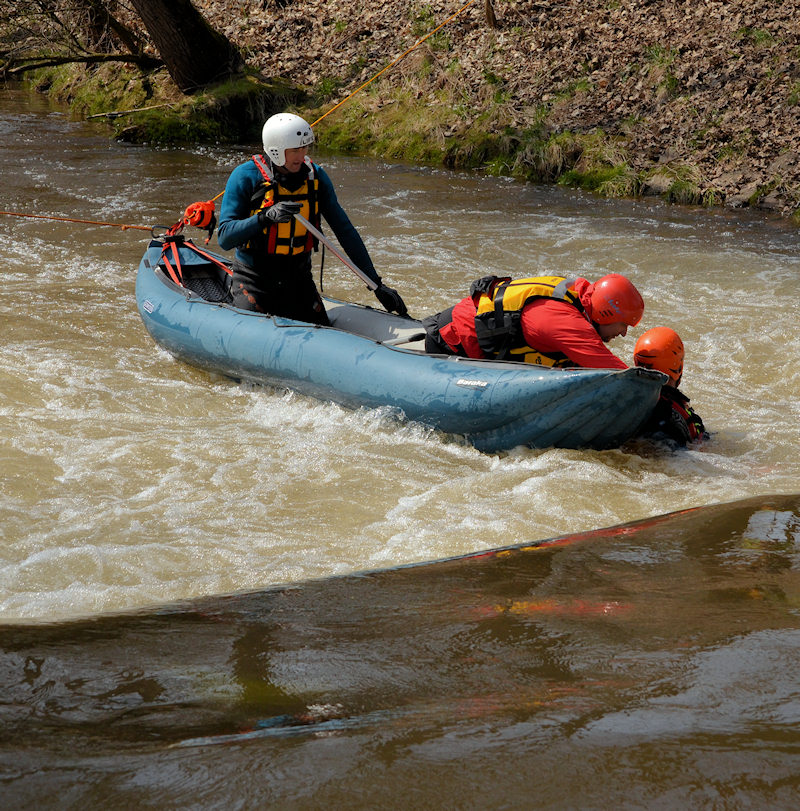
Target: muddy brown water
651	666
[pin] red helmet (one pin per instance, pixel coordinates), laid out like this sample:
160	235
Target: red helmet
614	299
661	348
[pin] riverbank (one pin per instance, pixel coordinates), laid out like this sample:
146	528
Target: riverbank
696	102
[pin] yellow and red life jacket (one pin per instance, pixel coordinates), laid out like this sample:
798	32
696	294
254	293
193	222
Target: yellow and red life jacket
498	318
288	238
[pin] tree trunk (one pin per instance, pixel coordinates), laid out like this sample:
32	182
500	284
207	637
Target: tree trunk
102	26
195	54
491	19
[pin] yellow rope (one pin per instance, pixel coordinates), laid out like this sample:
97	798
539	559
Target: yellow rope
379	73
405	53
335	107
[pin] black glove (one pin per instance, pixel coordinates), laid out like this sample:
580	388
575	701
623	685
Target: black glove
390	299
279	212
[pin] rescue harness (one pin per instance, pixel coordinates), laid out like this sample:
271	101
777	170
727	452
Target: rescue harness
173	240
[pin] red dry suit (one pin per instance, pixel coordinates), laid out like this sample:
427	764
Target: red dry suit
558	329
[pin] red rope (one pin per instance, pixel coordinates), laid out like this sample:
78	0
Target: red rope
70	219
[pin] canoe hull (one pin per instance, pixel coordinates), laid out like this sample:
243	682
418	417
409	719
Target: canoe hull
494	405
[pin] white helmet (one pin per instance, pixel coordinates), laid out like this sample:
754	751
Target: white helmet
284	131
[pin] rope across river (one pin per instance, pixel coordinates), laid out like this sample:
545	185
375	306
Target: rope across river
216	197
123	226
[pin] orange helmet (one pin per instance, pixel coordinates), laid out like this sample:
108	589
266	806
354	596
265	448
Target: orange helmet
661	348
614	299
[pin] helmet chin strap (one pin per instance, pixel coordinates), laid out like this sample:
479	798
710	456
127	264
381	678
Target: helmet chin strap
280	169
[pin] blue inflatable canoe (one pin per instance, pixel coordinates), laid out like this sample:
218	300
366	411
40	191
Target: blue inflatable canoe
369	358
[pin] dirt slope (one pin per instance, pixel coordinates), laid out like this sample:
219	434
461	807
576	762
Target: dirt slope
710	85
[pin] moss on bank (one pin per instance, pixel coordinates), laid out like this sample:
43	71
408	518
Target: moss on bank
147	108
439	134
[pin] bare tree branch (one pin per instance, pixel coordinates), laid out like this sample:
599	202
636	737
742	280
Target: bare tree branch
19	68
46	33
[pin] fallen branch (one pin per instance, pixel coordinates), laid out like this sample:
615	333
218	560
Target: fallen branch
117	113
34	63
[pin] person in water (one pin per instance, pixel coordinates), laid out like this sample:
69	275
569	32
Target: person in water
673	418
546	320
272	263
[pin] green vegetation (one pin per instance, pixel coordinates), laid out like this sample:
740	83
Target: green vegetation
601	166
92	94
660	61
736	147
423	20
762	191
437	135
443	131
683	184
757	36
325	89
146	108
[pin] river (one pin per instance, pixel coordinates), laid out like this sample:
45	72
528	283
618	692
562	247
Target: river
131	481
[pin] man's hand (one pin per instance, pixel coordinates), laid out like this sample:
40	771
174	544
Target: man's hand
390	299
279	212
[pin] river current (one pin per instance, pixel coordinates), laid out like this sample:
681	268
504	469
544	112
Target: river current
131	481
130	478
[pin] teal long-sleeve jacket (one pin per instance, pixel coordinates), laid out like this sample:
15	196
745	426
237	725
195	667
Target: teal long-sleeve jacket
237	226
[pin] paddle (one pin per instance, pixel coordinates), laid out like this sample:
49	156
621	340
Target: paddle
336	252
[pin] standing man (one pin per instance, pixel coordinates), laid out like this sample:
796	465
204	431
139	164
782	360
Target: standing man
546	320
272	263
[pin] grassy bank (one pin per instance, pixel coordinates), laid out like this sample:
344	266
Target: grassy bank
436	134
697	103
147	108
